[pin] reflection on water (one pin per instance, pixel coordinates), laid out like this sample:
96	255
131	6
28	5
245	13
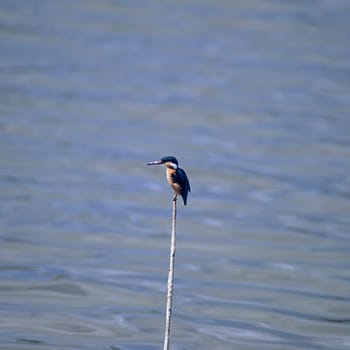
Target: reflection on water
253	99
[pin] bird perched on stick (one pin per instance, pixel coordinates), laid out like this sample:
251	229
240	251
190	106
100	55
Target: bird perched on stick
176	176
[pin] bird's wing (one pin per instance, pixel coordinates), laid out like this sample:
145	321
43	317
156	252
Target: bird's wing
184	178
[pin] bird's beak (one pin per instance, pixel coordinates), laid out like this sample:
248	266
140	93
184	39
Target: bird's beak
155	162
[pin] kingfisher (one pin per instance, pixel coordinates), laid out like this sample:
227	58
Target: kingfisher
176	177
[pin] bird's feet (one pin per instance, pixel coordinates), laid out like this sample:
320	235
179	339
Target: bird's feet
175	198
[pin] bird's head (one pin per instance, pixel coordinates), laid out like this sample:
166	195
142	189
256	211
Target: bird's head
168	161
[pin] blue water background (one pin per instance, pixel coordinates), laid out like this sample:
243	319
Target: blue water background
253	97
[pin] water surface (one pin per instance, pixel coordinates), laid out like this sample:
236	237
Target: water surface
253	99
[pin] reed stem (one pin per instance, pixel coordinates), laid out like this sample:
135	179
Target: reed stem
169	302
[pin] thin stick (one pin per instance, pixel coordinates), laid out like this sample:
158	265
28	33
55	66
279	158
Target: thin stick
169	302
